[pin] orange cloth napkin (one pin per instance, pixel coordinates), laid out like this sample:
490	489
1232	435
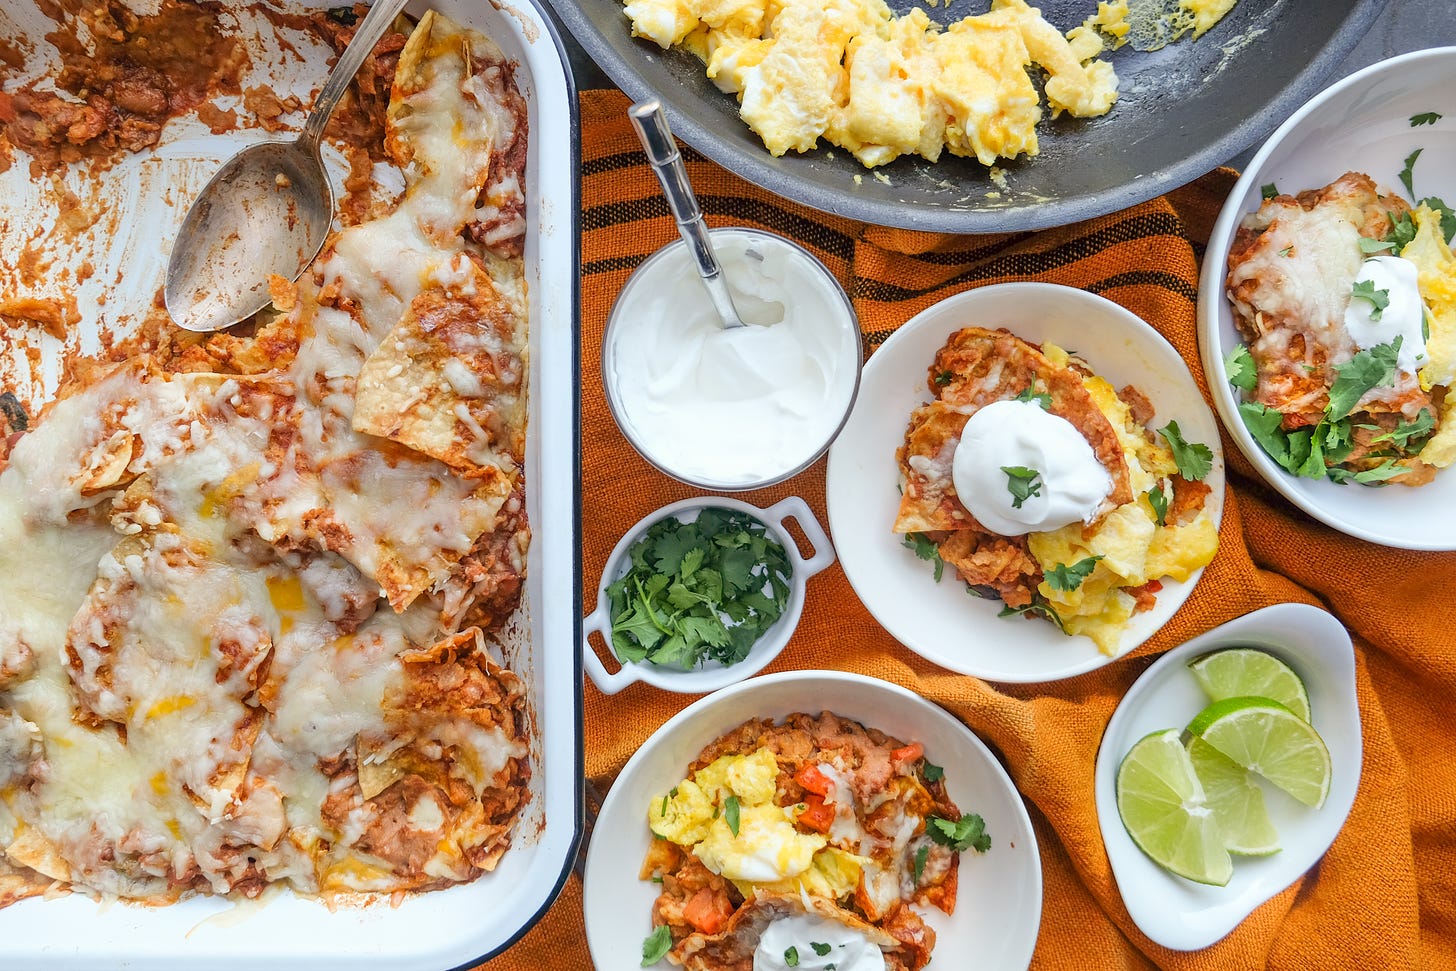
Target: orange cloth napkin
1384	896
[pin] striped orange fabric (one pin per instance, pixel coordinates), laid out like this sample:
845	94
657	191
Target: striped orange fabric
1385	894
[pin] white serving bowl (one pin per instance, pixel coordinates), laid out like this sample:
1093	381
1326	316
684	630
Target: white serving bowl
1178	913
712	674
998	905
1360	124
942	621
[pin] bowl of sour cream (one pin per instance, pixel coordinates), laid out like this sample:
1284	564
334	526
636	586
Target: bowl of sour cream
741	408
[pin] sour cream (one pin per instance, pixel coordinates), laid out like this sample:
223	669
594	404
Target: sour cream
732	407
1070	482
849	950
1402	317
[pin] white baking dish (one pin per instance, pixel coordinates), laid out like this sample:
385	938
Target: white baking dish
145	198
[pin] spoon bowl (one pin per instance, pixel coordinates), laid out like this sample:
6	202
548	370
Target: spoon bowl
265	213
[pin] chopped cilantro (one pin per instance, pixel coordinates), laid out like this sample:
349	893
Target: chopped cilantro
1022	483
944	378
730	813
1194	459
1159	502
1379	299
1424	118
1039	607
1287	250
685	578
1370	368
1045	400
791	956
656	946
932	772
921	855
1407	173
1402	231
1387	469
1368	245
1069	577
1409	435
820	948
1268	190
966	833
926	550
1239	366
1448	218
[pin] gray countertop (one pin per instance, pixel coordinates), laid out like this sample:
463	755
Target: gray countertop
1404	25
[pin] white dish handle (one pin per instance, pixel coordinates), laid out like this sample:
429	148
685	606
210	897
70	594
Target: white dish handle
600	621
795	508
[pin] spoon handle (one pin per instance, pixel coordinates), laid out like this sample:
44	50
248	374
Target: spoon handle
381	14
662	153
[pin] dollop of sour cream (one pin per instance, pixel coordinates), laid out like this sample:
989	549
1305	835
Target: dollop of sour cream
848	949
1070	482
1403	316
741	405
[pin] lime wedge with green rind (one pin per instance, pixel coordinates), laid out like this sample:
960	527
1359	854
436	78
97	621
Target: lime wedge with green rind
1268	739
1236	800
1243	672
1165	811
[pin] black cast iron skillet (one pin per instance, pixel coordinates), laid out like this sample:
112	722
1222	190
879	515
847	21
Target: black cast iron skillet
1183	110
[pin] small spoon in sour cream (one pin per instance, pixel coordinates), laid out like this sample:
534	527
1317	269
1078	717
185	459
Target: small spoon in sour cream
657	141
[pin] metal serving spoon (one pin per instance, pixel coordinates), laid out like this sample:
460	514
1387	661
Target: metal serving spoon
651	124
266	212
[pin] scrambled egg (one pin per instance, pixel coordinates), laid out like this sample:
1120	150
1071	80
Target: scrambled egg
882	86
1437	282
1133	547
767	852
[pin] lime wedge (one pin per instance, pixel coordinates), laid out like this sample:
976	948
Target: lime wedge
1163	807
1236	800
1242	672
1264	737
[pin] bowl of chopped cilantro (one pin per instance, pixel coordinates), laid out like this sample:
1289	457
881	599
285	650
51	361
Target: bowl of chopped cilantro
1327	306
703	593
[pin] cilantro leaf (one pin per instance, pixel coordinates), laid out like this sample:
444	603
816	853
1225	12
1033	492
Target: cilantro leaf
820	948
1239	366
656	946
932	772
730	813
1448	218
1402	231
1370	368
1022	483
1266	425
1159	502
944	378
1369	246
1030	394
791	956
1379	299
1268	190
1385	470
921	855
1286	250
1039	607
1069	577
926	549
1194	459
1424	118
966	833
1407	173
1409	435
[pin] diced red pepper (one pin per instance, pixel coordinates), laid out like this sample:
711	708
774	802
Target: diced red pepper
818	815
813	780
708	911
909	753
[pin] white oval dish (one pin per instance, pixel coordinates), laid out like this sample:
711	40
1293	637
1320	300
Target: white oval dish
941	621
712	675
1360	124
998	906
1178	913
